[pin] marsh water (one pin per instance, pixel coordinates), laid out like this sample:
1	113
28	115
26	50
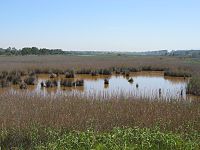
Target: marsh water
148	83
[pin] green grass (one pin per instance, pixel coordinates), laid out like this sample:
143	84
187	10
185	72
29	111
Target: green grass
118	138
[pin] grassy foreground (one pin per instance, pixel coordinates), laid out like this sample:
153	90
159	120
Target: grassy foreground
79	122
118	138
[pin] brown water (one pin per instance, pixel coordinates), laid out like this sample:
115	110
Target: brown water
149	84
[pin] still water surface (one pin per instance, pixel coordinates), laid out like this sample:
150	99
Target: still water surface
149	84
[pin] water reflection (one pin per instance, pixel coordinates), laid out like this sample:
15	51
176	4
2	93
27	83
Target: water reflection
152	85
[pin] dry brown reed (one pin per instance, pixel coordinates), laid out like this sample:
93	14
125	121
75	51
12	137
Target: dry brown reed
80	113
56	64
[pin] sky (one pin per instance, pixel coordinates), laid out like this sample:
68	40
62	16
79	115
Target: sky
108	25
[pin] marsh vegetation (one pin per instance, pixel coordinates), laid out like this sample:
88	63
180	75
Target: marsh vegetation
118	120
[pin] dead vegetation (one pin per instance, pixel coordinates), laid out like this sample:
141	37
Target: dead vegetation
80	112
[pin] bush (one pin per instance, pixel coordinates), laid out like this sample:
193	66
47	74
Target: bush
67	83
53	75
193	86
30	80
16	79
79	82
69	75
50	83
23	86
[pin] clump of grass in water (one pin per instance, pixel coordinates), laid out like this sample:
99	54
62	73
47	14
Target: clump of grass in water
30	80
177	74
193	86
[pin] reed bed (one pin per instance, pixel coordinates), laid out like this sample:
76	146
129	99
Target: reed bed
59	64
76	112
193	86
37	122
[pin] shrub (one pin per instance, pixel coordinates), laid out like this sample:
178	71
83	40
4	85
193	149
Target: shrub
106	81
16	79
50	83
53	75
67	83
13	78
130	80
69	75
23	86
30	80
193	87
79	82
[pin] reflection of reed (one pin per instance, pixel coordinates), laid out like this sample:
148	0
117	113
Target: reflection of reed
175	80
148	74
89	77
77	88
98	86
106	86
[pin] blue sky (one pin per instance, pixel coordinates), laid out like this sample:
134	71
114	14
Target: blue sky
120	25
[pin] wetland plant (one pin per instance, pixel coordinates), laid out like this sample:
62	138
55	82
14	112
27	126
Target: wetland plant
53	75
193	87
105	72
42	84
16	79
23	85
130	80
177	74
30	80
50	83
94	73
106	81
3	83
117	71
69	74
137	85
84	71
67	83
79	82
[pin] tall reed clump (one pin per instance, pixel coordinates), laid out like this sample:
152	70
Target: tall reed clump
193	86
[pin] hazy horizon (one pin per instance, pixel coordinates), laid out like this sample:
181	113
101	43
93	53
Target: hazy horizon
100	25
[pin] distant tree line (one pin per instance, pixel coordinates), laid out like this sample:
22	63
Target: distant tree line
31	51
45	51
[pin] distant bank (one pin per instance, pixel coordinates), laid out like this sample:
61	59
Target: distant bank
45	51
